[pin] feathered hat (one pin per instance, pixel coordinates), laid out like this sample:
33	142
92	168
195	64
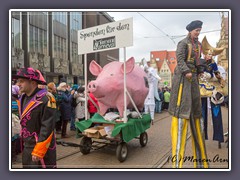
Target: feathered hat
206	47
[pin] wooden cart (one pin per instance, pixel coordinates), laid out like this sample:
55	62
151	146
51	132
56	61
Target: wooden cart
94	137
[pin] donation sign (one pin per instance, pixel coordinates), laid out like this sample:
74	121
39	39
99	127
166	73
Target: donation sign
106	37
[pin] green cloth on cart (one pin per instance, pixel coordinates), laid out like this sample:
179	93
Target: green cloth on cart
133	128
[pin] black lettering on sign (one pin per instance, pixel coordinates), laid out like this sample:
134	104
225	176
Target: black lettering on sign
104	43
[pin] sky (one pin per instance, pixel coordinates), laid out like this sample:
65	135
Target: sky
161	30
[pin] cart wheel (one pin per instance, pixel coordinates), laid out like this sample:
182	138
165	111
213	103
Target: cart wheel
85	145
122	152
143	139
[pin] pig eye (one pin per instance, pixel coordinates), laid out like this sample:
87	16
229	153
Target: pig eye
111	74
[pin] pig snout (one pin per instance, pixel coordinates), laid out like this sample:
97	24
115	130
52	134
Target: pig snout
92	86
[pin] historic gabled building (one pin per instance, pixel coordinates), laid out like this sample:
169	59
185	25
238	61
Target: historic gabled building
48	41
223	42
166	63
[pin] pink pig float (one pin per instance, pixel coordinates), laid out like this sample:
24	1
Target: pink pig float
108	87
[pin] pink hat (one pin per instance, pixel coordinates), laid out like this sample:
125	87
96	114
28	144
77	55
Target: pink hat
31	74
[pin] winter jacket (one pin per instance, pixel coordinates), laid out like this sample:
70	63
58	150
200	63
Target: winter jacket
65	107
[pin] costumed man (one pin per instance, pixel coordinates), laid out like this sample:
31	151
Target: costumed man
185	102
36	111
213	86
153	78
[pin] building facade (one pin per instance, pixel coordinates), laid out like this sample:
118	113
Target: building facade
48	41
166	63
223	42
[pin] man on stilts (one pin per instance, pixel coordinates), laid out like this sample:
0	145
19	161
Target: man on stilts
185	102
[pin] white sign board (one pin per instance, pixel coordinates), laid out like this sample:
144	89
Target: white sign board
106	37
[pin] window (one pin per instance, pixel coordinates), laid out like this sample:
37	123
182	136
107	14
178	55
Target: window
35	39
60	47
74	52
16	33
45	44
31	46
60	34
41	42
75	25
38	40
38	25
75	20
60	17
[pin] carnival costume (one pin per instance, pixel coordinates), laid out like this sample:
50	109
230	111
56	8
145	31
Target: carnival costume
153	78
213	86
185	104
37	123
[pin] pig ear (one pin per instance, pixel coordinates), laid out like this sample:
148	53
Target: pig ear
130	63
95	68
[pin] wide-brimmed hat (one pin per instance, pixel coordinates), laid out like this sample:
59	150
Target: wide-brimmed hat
194	25
31	74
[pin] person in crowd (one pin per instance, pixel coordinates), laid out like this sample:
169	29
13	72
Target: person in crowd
92	104
163	102
58	97
15	96
74	87
73	104
212	73
16	130
153	79
16	127
185	101
15	91
37	120
80	107
158	107
166	99
65	107
52	89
